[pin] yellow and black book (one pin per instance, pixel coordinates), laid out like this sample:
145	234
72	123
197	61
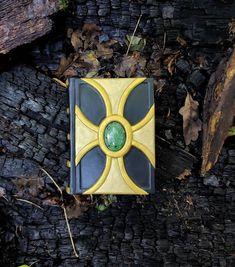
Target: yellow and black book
112	136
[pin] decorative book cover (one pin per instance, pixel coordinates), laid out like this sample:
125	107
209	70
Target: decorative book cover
112	136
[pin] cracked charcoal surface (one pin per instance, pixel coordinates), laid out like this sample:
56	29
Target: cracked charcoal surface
201	22
185	223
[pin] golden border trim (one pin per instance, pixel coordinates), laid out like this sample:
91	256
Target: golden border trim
85	120
85	150
129	136
102	178
145	120
146	151
128	180
103	93
126	93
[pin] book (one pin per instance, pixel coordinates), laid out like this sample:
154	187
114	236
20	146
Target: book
112	136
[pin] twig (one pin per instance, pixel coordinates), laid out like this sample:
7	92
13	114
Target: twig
65	213
53	181
70	233
164	41
132	37
60	82
29	202
33	263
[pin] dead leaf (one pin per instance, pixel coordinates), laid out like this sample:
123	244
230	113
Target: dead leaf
92	62
191	122
29	185
90	31
231	27
75	210
181	41
170	61
90	28
76	40
104	51
184	174
64	64
231	131
137	43
52	201
127	67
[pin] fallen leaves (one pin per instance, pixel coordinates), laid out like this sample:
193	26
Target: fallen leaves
105	201
127	67
77	207
136	43
29	185
76	40
91	49
104	51
89	46
131	66
184	174
191	122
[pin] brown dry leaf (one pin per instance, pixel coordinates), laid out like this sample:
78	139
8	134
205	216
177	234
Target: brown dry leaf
64	64
29	185
90	32
77	207
93	65
191	122
52	201
70	72
76	40
231	27
75	210
170	61
184	174
90	28
104	51
127	67
181	41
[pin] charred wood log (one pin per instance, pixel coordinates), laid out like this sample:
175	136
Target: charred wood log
161	229
34	123
219	110
22	22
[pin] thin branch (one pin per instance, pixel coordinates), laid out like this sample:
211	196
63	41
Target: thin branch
65	213
33	263
132	37
70	233
53	181
164	41
29	202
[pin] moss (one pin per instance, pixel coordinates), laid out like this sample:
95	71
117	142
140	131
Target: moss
64	4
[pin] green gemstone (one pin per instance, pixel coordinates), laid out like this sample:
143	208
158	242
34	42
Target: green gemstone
114	136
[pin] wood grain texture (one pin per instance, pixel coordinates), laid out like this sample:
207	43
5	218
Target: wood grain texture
22	22
219	110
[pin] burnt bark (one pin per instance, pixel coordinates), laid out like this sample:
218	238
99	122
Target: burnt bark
21	22
219	111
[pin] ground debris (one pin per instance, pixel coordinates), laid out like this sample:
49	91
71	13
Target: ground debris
191	122
29	185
